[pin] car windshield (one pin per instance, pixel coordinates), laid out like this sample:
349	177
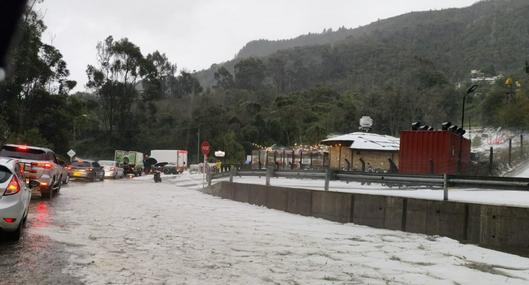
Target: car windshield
23	152
4	174
81	164
107	162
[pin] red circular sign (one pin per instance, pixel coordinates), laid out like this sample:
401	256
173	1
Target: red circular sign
205	147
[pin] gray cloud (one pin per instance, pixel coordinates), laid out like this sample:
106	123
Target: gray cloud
198	33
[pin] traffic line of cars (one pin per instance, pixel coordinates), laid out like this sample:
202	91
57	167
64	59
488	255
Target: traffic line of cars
27	169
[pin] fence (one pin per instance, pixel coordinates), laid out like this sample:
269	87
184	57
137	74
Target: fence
440	181
289	159
499	160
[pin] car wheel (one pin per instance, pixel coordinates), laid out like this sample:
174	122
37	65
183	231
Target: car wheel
67	180
59	185
15	236
46	193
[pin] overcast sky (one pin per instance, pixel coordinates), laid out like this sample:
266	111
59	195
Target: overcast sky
197	33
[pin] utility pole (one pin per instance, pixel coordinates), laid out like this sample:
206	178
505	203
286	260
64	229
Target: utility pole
198	146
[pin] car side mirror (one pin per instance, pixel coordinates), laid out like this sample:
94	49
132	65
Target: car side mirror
33	184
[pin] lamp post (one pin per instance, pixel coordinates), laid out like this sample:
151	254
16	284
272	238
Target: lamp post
469	91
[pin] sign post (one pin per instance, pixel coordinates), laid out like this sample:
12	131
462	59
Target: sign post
205	148
71	153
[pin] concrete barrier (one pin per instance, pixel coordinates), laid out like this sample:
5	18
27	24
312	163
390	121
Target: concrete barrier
394	213
277	198
499	227
502	226
369	210
333	206
257	195
300	202
446	219
241	193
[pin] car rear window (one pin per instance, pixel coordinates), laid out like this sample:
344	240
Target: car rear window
24	153
4	174
107	162
81	163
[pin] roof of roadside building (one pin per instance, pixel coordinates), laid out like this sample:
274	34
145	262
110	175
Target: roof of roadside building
366	141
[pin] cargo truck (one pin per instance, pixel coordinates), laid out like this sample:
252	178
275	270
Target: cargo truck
130	161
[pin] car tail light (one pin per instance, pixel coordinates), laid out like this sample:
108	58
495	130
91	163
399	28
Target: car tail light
13	187
22	147
46	165
90	169
10	220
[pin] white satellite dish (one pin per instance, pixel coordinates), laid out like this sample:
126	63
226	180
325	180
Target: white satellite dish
366	122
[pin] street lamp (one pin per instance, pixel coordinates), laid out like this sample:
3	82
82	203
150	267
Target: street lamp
469	91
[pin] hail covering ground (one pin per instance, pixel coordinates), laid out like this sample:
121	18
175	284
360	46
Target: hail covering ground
139	232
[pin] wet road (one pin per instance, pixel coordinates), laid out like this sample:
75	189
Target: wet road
138	232
36	258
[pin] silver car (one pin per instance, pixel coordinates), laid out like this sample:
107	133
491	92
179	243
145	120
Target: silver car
112	170
14	198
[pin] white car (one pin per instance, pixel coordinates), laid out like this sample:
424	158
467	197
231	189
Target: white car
14	198
111	169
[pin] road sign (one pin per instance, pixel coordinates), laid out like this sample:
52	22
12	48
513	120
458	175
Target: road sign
205	147
71	153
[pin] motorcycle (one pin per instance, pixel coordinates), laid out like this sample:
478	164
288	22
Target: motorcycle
157	176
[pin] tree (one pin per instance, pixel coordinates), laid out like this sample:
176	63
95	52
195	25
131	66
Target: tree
121	67
249	74
36	92
224	78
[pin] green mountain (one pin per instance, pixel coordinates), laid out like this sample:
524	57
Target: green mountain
488	33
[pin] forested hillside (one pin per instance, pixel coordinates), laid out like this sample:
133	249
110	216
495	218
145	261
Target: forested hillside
488	33
408	68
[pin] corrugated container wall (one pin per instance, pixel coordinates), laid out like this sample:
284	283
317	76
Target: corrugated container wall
432	152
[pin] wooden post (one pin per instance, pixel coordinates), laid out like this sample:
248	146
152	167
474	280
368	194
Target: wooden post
445	187
510	151
311	159
491	158
259	159
521	144
283	159
293	157
340	158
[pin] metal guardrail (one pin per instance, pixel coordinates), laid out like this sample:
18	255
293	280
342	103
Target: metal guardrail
455	181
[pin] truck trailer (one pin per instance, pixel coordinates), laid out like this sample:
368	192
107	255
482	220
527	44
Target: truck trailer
173	156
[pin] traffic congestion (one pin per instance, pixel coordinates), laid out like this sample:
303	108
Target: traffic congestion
28	172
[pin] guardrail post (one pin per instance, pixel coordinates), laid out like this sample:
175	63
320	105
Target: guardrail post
232	173
269	174
328	174
445	187
209	178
